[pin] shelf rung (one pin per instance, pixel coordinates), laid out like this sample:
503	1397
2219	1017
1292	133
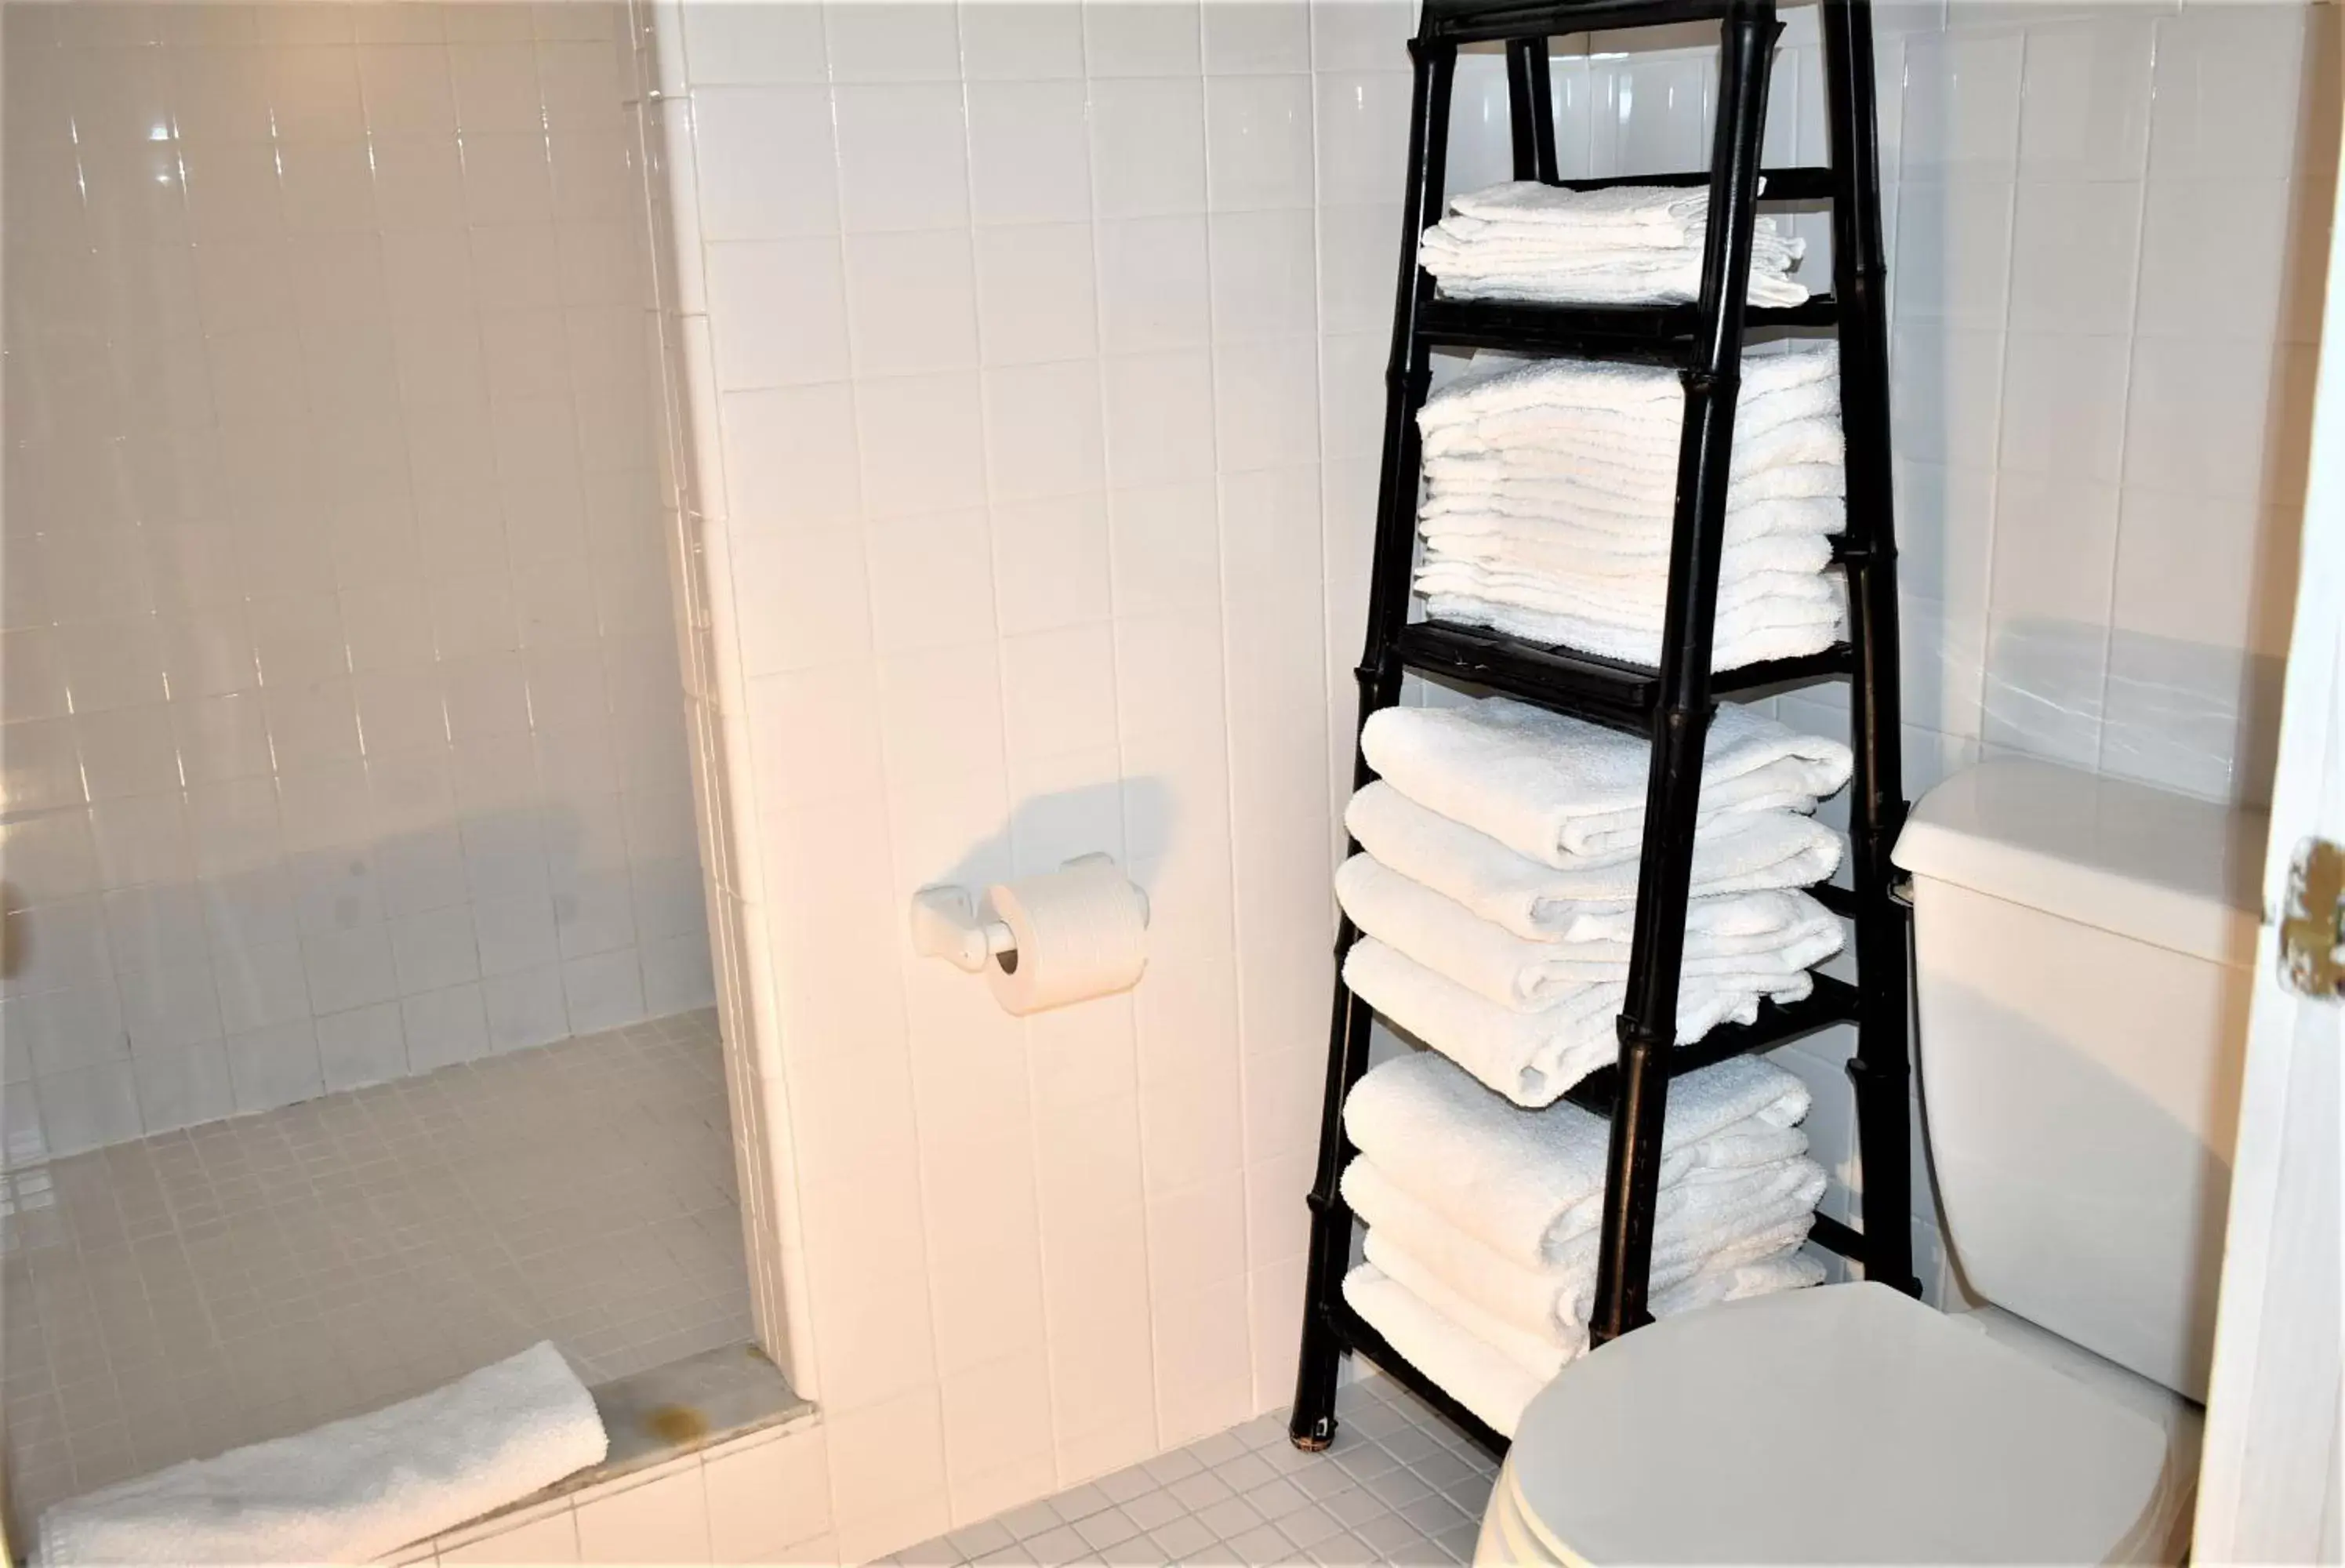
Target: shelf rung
1835	1237
1477	21
1831	1002
1585	685
1800	182
1662	333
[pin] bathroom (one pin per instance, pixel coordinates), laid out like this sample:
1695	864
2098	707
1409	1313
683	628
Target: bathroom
533	530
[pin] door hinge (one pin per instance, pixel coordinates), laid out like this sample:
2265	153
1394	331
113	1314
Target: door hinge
2313	926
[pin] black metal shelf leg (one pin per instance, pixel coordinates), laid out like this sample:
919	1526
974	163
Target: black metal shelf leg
1879	1069
1530	110
1313	1423
1648	1025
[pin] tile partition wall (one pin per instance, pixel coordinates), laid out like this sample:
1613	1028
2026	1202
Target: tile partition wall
342	730
1026	408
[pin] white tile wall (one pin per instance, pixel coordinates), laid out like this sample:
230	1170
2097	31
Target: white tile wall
341	730
1030	411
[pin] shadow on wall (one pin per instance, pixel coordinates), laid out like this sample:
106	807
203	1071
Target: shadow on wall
1045	831
270	982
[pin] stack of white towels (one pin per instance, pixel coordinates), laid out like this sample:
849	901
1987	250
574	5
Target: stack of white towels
1627	245
1496	885
1483	1219
1550	498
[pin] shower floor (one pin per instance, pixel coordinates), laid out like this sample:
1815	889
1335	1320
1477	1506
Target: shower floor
199	1290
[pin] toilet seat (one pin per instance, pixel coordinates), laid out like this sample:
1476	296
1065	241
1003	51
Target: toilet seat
1845	1423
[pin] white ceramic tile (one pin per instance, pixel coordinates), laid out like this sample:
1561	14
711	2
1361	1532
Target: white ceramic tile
2085	114
724	43
1051	563
902	156
922	443
1035	292
1259	142
1028	157
1147	145
1042	428
910	40
1154	288
1151	38
749	187
911	302
1020	40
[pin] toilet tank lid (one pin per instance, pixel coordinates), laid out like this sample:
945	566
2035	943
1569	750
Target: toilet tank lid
2167	869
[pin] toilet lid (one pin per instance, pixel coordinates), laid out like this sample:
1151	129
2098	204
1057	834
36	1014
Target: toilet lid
1846	1424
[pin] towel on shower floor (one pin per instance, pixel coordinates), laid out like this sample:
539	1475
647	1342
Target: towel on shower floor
1525	1183
1778	933
1735	854
352	1490
1571	793
1708	1219
1624	245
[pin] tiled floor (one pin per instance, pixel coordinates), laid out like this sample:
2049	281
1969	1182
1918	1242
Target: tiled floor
249	1279
1401	1485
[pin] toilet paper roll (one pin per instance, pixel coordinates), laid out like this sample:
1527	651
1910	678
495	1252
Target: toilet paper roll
1079	931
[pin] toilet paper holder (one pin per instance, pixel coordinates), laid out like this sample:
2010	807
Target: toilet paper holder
947	924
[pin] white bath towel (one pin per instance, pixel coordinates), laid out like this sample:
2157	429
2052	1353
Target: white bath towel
1644	282
1579	486
1472	1371
1739	638
1774	933
1572	793
1653	429
1493	542
1712	1219
352	1490
1781	1265
1537	513
1524	1183
1741	852
1533	1058
1524	442
1635	603
1610	388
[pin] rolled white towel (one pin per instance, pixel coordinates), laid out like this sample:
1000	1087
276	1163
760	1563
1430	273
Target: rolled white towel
1571	793
1738	934
1718	1219
351	1491
1524	1183
1741	852
1770	629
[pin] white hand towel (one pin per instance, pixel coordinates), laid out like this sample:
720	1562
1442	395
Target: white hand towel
1777	933
1533	1058
353	1489
1766	631
1523	1182
1698	1223
1741	853
1572	793
1471	1371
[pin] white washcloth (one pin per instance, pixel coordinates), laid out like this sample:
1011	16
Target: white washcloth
1533	1058
1769	629
1713	1217
1525	1183
352	1490
1742	853
1572	793
1774	933
1472	1371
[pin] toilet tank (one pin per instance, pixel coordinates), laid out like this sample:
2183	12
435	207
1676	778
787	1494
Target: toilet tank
2081	951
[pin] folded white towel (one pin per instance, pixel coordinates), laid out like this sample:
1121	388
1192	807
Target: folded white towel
1769	630
1741	853
1573	484
1673	209
1650	429
353	1489
1610	387
1635	603
1564	556
1622	283
1471	1371
1562	515
1729	1218
1741	934
1572	793
1493	1384
1527	440
1533	1058
1525	1183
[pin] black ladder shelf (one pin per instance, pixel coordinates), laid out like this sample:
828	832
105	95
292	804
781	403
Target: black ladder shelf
1674	702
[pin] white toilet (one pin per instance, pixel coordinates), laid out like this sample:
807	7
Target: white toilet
2083	948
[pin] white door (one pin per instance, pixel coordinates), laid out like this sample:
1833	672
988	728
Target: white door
2269	1485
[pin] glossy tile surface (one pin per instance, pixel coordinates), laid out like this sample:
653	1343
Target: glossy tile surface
196	1290
1400	1485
